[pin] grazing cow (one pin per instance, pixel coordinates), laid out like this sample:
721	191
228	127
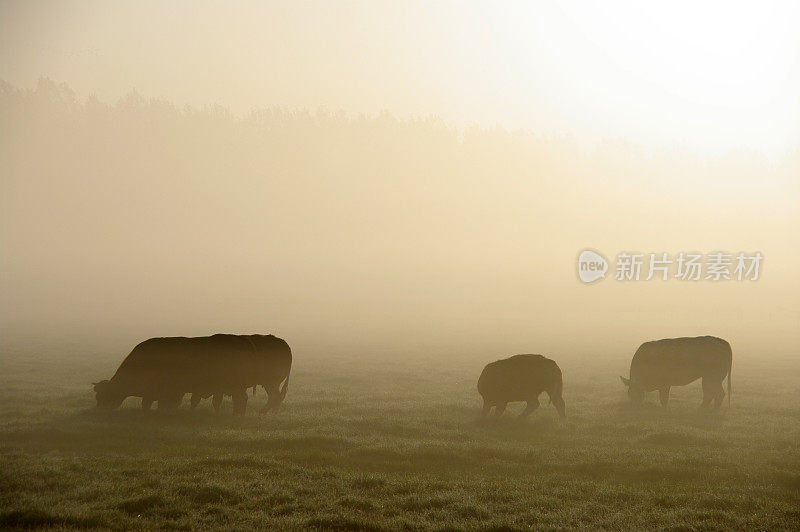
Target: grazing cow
520	378
660	364
164	369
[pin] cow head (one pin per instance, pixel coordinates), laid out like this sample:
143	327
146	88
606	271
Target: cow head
107	395
635	392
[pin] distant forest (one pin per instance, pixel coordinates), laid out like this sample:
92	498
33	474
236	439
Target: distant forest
394	220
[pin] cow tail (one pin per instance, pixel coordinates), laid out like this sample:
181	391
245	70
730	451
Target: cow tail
730	370
557	389
285	386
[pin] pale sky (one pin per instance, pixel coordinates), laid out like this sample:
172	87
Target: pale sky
136	221
707	76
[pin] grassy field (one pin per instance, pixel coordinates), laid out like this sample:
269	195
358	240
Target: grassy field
365	444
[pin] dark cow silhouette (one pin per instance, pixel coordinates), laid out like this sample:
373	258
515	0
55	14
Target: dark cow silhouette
165	369
216	401
660	364
520	378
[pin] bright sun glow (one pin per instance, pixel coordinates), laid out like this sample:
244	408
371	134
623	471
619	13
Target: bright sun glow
709	76
715	75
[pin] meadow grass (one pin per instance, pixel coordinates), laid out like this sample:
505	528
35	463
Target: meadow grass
367	444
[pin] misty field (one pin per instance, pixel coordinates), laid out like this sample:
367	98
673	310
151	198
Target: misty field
378	442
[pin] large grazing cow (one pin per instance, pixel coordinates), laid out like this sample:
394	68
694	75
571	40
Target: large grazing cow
164	369
660	364
520	378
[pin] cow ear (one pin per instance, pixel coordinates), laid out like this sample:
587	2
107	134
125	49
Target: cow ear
626	382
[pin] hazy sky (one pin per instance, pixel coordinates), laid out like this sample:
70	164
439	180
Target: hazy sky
133	217
704	75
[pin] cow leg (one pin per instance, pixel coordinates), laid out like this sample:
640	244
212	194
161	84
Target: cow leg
216	401
170	401
663	395
273	398
499	409
167	403
487	406
531	405
710	389
558	402
147	402
195	400
239	402
720	395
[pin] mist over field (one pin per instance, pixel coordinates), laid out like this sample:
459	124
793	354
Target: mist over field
139	218
399	193
397	257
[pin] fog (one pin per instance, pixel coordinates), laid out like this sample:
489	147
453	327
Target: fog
405	195
710	76
396	178
142	217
